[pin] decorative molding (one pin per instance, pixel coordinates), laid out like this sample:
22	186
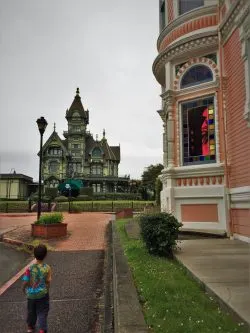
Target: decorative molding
203	42
240	197
236	15
199	12
200	181
205	22
201	170
193	62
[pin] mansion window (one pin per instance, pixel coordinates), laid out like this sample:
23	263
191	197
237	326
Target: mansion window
76	145
76	128
96	170
53	167
96	188
198	131
162	14
55	151
187	5
96	153
75	167
196	75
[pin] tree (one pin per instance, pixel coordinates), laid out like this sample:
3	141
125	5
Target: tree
149	177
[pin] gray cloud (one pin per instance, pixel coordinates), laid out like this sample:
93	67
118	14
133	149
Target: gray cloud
48	48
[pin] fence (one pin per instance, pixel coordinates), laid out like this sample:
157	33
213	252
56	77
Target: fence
84	206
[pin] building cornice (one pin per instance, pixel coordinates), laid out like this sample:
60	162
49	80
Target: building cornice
187	46
235	17
199	12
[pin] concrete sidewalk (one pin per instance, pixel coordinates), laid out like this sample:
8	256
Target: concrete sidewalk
74	297
223	267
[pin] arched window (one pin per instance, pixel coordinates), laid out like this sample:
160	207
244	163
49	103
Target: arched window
97	153
196	75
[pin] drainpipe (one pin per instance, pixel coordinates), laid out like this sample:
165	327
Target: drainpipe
224	135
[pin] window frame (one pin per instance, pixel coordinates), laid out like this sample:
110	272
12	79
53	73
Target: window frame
181	137
199	83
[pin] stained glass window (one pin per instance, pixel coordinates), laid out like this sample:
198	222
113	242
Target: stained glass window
196	75
198	127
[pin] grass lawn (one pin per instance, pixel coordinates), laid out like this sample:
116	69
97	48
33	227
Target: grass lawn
172	302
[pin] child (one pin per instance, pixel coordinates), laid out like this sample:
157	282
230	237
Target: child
36	284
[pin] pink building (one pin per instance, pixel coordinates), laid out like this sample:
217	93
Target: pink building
203	67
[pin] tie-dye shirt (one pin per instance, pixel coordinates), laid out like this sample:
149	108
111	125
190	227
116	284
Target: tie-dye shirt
37	275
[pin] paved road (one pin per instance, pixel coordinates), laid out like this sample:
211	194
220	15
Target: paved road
75	294
11	261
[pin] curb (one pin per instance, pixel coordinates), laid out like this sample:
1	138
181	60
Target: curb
17	243
128	316
224	305
107	298
9	283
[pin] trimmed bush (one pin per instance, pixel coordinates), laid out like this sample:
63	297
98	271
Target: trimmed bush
75	209
83	197
86	191
51	192
61	198
52	218
160	233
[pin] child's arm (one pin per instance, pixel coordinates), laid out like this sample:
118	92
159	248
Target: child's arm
24	286
26	280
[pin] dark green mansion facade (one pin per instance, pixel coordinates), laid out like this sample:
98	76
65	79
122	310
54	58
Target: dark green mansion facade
80	156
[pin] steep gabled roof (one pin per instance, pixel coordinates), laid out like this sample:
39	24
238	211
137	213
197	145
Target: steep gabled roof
55	137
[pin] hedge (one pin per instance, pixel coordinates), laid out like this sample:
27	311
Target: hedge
102	206
14	206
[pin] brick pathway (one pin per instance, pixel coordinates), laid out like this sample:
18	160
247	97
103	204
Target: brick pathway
86	230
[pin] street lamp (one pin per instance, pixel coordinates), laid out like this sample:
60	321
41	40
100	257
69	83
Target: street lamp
42	124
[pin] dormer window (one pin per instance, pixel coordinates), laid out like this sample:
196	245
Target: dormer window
96	153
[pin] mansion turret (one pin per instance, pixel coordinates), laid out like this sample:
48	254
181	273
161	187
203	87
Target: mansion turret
80	156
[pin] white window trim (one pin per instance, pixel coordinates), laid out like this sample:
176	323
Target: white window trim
245	39
217	142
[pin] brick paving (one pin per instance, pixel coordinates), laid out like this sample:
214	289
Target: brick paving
86	231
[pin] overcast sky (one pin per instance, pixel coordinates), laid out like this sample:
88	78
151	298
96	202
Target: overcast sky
106	48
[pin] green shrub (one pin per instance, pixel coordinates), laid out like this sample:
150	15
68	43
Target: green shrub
86	191
61	198
51	192
160	233
50	218
75	209
83	197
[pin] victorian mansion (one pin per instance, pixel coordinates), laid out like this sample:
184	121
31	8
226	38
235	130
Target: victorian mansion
80	156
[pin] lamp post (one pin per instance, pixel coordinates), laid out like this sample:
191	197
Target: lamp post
42	124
